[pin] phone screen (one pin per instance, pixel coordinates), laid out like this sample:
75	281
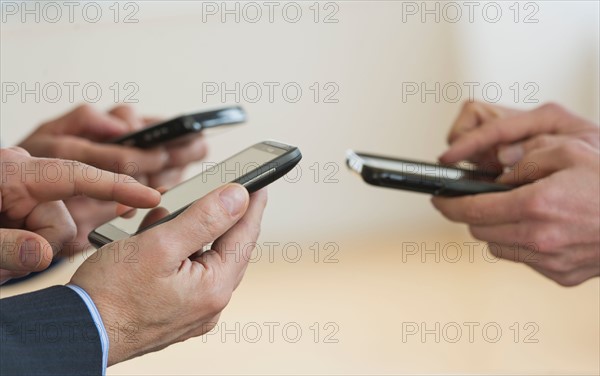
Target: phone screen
246	161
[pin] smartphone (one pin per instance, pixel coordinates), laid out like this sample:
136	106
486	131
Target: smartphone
422	177
181	126
254	168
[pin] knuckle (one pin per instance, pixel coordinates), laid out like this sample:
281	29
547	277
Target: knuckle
176	158
543	239
208	326
557	266
553	108
218	302
542	141
472	212
19	150
122	162
475	232
123	108
571	149
217	298
84	110
55	149
470	106
495	249
567	280
536	206
161	242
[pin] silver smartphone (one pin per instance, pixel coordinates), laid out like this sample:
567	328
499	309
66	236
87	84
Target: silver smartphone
422	177
254	168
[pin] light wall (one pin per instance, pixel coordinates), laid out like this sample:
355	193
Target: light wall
375	51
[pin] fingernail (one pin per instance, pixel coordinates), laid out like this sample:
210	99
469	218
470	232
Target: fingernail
29	254
233	198
511	154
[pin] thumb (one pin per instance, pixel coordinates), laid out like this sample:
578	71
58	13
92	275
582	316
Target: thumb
24	251
199	225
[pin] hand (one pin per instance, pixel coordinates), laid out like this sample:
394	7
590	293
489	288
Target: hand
553	225
34	223
169	278
79	135
493	136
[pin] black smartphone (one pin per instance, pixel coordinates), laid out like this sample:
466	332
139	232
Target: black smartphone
181	126
422	177
254	168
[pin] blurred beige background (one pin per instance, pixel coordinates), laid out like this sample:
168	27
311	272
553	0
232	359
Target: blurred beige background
352	273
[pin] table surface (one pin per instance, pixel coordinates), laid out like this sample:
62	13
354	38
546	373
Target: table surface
383	307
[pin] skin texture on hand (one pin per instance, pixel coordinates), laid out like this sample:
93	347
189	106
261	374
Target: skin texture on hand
81	134
551	221
34	223
481	131
168	291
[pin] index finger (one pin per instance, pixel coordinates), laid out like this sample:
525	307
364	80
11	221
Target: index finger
483	209
57	179
502	131
472	115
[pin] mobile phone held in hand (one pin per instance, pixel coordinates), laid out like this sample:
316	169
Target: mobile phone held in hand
181	126
421	176
254	167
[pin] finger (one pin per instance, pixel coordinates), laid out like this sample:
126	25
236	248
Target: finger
514	235
540	163
53	222
19	150
200	224
503	131
7	275
236	245
510	154
191	151
65	179
553	269
128	115
151	120
89	122
116	158
482	209
472	115
125	211
24	251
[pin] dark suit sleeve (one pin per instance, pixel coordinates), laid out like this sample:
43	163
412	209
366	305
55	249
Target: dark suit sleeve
50	331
